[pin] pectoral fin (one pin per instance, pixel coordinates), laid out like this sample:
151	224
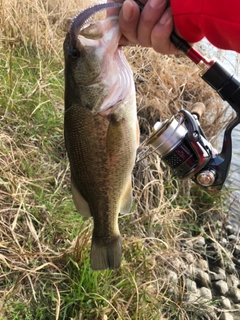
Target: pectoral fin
80	203
137	134
127	198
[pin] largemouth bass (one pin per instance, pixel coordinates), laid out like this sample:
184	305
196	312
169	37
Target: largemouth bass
101	129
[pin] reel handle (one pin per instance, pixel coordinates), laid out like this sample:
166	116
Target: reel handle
198	109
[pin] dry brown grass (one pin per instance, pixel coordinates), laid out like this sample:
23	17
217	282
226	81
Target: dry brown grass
37	23
44	245
164	84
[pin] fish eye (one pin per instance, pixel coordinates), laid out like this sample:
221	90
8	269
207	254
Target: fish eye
74	53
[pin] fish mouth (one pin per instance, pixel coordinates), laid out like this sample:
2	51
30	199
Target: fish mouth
100	41
80	20
117	77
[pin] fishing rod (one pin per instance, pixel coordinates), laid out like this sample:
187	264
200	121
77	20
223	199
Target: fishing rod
180	140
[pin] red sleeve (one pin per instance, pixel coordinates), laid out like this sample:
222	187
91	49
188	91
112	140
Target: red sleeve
217	20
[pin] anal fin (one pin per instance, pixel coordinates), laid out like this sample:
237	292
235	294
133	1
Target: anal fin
80	203
127	198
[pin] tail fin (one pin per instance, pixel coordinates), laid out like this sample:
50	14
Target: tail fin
106	256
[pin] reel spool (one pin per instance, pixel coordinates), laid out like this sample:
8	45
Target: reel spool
183	146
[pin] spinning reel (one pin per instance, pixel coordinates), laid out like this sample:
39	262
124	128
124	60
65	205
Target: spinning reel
183	146
181	142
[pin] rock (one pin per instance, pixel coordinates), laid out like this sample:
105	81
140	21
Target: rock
223	241
189	244
237	307
234	221
214	255
230	269
234	294
237	250
200	242
237	262
217	276
235	226
191	285
172	277
202	278
229	229
232	238
210	274
203	264
226	316
172	285
212	247
221	272
173	292
225	303
192	297
189	257
232	281
179	264
191	270
220	287
205	293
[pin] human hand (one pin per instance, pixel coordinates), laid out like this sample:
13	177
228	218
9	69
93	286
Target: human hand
151	28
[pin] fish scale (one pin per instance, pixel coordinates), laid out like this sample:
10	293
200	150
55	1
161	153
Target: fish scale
101	133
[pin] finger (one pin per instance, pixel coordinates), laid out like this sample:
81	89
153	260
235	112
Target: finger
128	20
161	32
113	11
150	15
124	41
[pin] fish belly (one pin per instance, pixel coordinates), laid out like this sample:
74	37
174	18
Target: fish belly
101	151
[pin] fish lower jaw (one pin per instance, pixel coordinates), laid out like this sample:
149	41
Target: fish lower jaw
106	112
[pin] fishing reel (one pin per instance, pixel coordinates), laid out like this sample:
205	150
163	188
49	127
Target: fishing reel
183	146
180	140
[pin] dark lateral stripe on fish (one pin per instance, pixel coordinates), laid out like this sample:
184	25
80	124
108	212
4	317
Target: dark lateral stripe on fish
83	17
